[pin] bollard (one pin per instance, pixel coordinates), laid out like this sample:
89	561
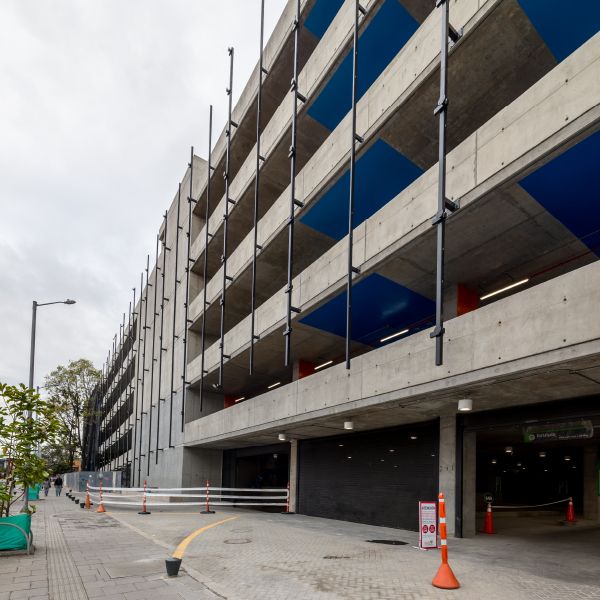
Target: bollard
444	578
87	495
287	510
101	508
173	565
570	517
207	510
144	511
488	524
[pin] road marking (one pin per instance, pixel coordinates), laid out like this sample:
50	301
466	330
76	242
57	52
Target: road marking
180	550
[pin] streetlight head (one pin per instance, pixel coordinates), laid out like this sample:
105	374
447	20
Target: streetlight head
69	302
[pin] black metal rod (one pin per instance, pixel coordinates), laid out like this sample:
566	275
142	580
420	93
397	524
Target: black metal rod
205	268
154	315
144	331
351	270
440	218
227	178
137	330
187	291
161	349
257	184
174	336
292	154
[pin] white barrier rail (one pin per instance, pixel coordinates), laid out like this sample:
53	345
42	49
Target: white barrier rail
215	496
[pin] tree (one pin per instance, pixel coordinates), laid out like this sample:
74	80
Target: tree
70	389
26	421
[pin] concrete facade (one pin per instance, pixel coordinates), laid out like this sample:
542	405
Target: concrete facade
524	107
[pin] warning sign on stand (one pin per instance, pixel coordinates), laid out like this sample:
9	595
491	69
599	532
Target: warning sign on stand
428	525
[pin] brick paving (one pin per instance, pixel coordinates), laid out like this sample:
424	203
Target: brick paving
81	555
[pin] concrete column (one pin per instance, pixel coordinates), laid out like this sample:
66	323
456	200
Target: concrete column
469	468
447	462
293	475
591	498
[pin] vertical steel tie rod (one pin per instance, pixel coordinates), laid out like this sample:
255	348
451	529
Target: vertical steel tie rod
174	337
205	267
259	158
444	205
144	331
228	200
154	315
137	331
186	304
161	346
294	202
358	10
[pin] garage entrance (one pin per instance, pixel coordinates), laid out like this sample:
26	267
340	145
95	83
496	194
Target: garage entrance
375	477
529	458
257	467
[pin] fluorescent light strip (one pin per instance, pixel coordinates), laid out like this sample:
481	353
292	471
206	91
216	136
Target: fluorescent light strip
274	385
325	364
394	335
504	289
240	399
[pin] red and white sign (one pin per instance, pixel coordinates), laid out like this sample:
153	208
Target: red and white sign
428	525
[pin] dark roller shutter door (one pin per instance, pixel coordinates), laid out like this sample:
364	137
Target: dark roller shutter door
376	477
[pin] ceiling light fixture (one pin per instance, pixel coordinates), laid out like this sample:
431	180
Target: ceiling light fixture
349	425
413	437
505	289
325	364
282	437
494	461
274	385
240	399
508	450
465	405
394	335
542	455
567	458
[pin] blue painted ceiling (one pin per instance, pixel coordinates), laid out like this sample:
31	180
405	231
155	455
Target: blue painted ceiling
568	187
380	307
320	16
382	39
564	26
381	174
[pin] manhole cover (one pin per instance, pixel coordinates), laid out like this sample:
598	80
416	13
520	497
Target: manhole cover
237	541
388	542
335	557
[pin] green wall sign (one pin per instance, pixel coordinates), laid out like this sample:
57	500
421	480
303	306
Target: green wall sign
553	432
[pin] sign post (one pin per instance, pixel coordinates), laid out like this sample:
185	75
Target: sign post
428	525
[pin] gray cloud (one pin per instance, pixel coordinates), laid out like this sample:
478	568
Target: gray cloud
101	101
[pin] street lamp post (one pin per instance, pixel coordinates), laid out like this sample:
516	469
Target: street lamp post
31	369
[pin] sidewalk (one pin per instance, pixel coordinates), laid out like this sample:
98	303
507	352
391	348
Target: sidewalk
80	554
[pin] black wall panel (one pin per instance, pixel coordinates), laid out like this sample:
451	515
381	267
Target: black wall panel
376	477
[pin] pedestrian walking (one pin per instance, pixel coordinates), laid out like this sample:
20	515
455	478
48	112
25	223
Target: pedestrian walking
58	483
46	487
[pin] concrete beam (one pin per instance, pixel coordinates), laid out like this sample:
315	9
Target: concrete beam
542	326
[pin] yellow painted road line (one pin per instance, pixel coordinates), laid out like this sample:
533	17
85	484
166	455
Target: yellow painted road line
180	550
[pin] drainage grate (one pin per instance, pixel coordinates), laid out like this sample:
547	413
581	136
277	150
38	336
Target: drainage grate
388	542
331	557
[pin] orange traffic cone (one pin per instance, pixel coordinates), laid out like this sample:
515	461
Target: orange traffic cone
444	578
570	518
488	524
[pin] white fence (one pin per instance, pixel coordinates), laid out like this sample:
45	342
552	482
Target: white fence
199	496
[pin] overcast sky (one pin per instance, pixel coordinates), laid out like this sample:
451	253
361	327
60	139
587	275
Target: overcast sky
100	102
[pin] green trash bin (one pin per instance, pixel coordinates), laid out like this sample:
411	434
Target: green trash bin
13	530
34	492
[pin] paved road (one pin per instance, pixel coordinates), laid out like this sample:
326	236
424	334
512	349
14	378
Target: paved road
265	556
